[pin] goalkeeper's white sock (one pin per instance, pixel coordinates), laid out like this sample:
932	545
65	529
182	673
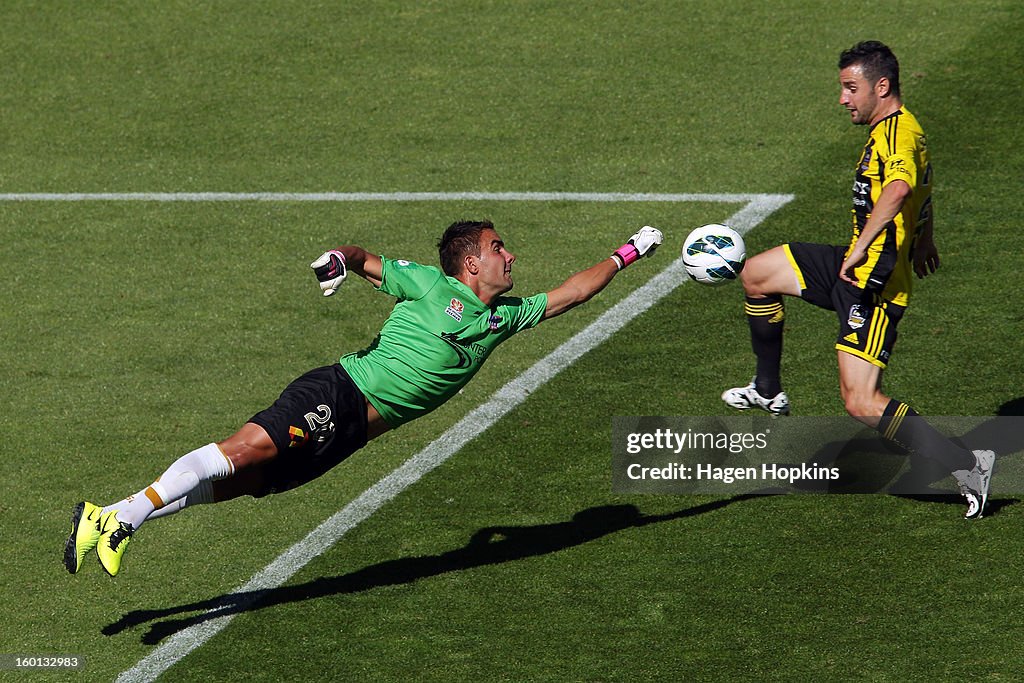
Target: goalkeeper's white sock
200	495
190	475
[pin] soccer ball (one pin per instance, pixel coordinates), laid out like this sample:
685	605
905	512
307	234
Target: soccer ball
713	254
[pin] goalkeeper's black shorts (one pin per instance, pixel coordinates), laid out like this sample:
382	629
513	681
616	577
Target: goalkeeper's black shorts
318	421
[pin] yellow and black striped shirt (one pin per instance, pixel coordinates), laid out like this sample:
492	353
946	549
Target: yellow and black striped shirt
896	150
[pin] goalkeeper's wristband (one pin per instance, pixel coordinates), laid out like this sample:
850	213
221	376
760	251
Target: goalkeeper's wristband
625	255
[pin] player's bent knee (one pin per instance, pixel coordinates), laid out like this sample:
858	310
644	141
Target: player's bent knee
764	274
753	285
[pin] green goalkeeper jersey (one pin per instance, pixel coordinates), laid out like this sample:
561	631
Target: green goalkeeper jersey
436	338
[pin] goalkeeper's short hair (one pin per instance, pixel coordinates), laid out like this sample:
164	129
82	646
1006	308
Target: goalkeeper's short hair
461	239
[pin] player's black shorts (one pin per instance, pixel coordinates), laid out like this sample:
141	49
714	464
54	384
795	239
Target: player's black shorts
867	323
318	421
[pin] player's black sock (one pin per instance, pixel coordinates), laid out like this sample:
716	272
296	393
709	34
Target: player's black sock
902	424
765	316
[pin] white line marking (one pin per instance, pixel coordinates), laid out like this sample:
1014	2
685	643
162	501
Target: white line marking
465	430
384	197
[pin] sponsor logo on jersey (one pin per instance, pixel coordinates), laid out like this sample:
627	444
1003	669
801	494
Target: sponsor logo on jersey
856	318
455	309
494	322
865	160
897	166
298	437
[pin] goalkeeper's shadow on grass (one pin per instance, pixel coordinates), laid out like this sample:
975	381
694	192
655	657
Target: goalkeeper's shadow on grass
488	546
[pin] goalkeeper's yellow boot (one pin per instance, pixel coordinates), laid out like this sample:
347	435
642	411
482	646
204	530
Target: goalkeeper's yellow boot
85	534
114	538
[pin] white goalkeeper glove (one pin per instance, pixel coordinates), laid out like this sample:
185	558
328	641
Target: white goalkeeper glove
643	243
330	270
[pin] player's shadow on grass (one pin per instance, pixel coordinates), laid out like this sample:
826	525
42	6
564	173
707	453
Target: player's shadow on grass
490	545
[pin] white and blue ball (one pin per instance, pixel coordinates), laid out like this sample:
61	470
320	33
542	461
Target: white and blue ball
714	254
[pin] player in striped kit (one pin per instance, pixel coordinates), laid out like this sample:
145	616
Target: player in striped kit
867	283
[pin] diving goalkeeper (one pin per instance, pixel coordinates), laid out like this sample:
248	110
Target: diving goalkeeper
443	327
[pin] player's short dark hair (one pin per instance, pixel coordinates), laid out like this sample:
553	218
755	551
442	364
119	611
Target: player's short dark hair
876	60
461	239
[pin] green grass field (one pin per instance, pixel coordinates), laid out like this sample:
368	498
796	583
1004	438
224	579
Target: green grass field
134	332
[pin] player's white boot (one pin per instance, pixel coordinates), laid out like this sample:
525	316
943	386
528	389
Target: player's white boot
744	398
974	483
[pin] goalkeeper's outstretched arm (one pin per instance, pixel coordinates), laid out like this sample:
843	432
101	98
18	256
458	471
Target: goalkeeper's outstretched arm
586	283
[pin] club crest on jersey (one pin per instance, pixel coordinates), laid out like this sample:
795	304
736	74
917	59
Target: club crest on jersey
455	310
856	319
494	322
